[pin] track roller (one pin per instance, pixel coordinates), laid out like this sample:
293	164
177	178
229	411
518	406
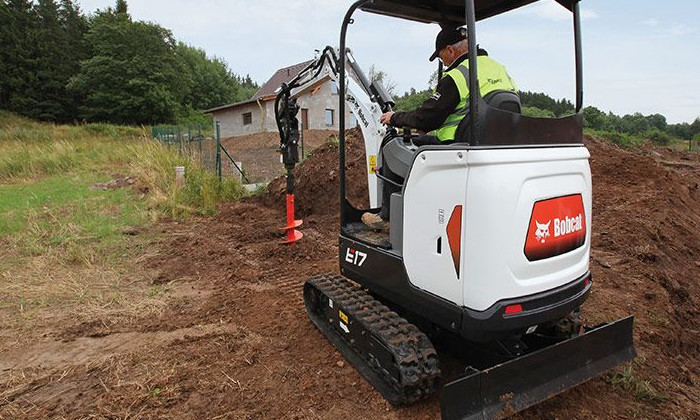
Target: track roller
391	353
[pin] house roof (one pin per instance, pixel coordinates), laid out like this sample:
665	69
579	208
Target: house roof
269	90
283	75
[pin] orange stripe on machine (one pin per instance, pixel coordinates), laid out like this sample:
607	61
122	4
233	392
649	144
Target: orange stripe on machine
454	236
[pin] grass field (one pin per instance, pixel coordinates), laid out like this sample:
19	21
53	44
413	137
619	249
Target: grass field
68	242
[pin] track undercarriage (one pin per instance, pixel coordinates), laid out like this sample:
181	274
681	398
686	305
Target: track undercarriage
391	353
399	360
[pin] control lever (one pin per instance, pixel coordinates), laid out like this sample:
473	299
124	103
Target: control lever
407	134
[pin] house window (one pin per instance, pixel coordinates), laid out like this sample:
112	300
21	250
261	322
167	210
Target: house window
353	120
329	117
334	88
247	118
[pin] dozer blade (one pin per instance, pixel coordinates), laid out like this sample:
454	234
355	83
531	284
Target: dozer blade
507	388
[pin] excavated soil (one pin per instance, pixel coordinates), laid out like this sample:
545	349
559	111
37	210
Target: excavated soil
259	156
235	341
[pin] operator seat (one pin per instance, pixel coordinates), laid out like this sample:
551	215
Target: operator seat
399	157
505	100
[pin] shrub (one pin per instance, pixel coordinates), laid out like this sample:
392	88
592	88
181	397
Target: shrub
658	137
624	140
531	111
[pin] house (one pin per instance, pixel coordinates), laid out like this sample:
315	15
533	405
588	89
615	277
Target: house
318	107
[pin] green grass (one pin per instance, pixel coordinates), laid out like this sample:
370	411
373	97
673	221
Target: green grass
30	150
624	140
633	141
47	203
68	251
62	213
642	389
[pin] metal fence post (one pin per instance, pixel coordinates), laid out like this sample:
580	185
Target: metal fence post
189	141
181	140
218	149
303	155
200	138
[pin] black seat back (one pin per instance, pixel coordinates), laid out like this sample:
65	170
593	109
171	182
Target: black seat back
500	99
505	100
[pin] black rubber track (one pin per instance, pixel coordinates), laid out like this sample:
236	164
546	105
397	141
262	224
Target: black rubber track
403	366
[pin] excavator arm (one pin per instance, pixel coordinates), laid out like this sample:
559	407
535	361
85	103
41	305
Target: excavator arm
366	100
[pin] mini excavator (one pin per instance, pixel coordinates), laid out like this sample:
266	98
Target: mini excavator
487	256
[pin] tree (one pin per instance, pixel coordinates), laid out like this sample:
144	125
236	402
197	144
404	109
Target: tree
17	34
695	128
634	124
75	26
5	52
133	76
545	102
380	76
121	8
248	88
212	83
40	53
657	121
532	111
412	100
593	118
56	61
682	130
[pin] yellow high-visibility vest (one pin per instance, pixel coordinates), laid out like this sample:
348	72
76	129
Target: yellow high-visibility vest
492	76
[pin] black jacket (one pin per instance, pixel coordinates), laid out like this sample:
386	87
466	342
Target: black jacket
435	110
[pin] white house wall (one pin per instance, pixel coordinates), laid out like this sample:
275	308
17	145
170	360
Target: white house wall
231	119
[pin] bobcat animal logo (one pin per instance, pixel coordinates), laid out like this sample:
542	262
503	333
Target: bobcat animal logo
542	232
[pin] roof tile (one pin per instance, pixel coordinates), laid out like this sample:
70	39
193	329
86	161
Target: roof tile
281	76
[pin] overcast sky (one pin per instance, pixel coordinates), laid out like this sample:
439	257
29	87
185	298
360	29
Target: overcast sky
639	56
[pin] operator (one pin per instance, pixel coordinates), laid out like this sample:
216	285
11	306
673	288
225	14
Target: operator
442	112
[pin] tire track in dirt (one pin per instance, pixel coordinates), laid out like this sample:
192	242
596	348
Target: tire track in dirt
81	350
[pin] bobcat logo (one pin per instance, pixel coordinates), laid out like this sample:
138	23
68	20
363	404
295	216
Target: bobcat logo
542	232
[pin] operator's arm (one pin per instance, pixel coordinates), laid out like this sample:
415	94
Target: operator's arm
434	111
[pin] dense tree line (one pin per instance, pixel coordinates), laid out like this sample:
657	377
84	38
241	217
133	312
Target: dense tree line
57	64
541	105
544	102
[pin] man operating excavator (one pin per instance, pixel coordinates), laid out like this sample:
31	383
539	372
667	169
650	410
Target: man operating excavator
442	112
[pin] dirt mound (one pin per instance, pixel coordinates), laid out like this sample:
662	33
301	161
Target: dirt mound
646	259
259	153
317	179
271	140
118	181
239	345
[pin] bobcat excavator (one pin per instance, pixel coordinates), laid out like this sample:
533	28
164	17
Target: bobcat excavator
487	257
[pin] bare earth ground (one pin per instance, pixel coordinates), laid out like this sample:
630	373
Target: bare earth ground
231	338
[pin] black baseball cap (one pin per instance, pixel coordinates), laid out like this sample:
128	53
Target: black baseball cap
448	36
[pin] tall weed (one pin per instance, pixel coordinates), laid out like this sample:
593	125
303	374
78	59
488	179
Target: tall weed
154	167
31	150
624	140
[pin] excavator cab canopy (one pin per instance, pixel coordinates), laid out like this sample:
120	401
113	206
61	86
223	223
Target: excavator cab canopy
447	11
488	125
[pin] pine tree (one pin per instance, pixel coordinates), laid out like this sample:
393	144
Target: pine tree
75	26
121	7
46	97
5	52
17	52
